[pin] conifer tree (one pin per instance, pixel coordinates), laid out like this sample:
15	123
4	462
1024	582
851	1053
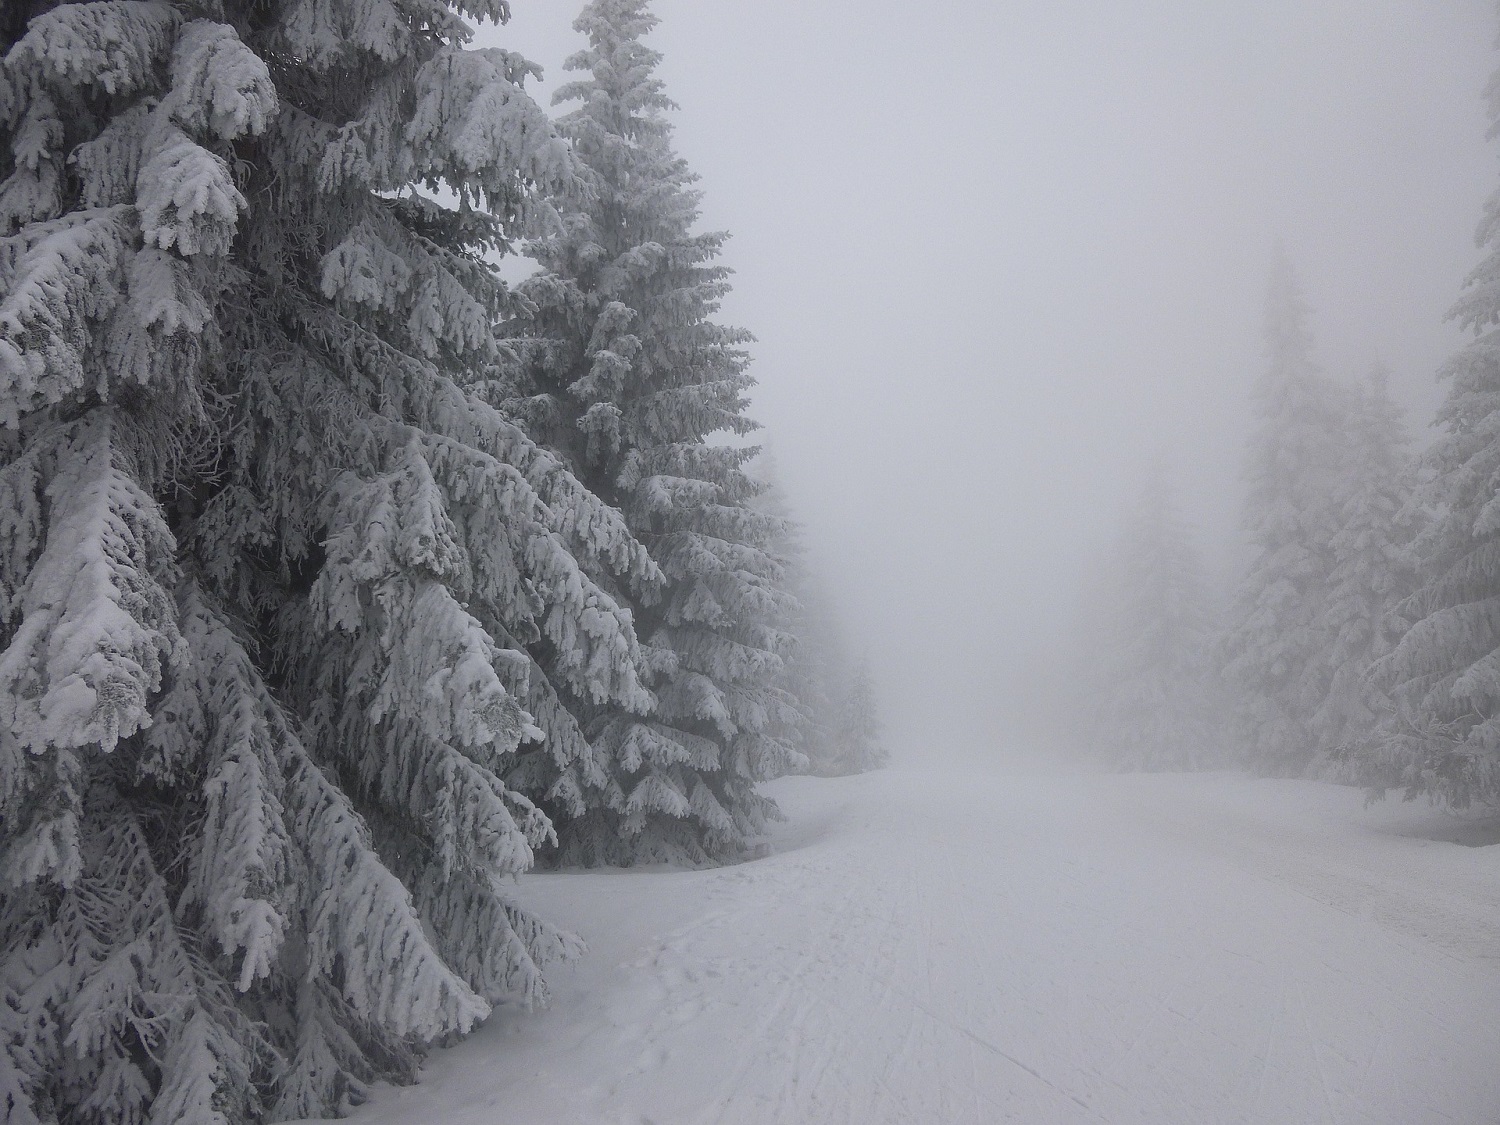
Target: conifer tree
813	670
1373	572
268	563
1445	671
817	672
626	374
1276	652
856	735
1158	700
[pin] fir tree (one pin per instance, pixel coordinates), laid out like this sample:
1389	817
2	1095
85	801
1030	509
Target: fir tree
626	374
1445	671
818	671
1157	697
1276	650
1373	571
856	735
268	564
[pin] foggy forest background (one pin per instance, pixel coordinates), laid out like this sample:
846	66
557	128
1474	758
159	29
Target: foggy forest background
384	511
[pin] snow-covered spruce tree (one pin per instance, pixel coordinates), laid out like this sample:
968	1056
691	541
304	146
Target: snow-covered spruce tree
1374	571
1157	697
856	733
1276	648
817	671
625	373
1445	671
265	562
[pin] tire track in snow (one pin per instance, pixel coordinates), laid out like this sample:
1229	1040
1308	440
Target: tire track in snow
1042	950
969	1034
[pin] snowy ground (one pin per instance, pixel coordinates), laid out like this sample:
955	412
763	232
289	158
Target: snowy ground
947	948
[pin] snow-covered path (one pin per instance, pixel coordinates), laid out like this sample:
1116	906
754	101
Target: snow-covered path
950	948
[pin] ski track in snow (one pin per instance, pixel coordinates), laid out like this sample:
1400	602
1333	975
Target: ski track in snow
945	948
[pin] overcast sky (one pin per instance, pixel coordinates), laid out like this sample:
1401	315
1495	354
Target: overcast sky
999	256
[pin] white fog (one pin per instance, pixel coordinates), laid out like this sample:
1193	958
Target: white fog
1009	632
998	258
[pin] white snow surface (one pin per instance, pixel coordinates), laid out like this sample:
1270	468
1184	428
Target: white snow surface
931	947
